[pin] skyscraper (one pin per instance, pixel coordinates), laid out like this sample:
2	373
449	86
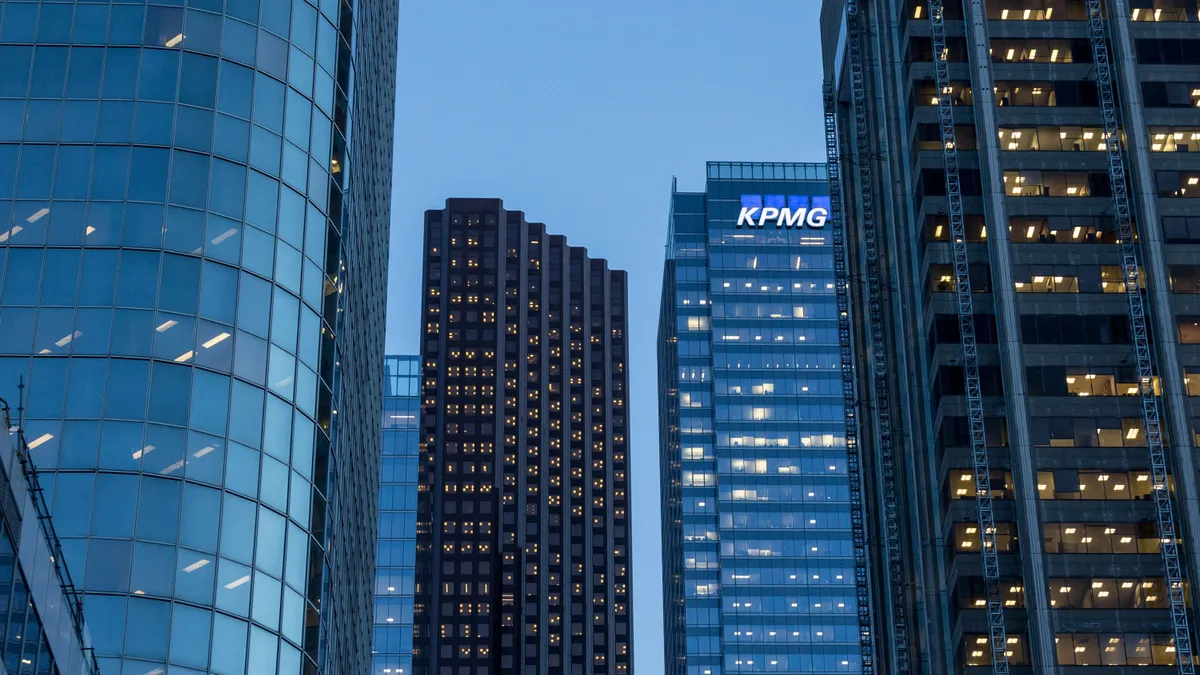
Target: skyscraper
523	535
194	213
397	548
1020	237
759	494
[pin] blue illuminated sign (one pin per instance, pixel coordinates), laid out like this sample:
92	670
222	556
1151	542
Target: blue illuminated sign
783	210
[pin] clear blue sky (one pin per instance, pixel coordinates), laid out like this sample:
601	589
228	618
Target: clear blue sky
578	114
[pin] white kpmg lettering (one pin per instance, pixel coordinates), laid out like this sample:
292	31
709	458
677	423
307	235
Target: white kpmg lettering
785	217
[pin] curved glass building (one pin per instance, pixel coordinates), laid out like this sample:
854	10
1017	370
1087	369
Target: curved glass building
193	235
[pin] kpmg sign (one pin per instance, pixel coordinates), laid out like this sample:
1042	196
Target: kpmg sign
784	211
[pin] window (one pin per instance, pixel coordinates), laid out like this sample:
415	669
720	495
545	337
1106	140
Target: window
1046	93
1047	283
1025	183
1171	94
1135	593
1052	138
1177	183
966	537
962	484
1084	381
956	433
929	137
1185	278
1114	538
1068	279
1191	380
1030	50
1037	10
1066	329
1115	649
1168	51
932	182
973	593
976	650
1189	329
937	228
921	49
1087	432
1175	139
1074	484
1164	10
1181	230
926	92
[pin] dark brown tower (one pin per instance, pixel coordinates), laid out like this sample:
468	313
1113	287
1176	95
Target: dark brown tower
523	537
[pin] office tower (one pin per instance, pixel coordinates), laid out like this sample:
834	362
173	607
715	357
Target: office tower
1020	240
40	613
194	214
396	552
760	501
523	534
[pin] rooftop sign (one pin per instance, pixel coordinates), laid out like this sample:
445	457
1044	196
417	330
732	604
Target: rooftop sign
784	211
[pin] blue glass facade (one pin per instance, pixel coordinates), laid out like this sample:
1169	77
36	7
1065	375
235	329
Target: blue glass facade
193	205
758	559
395	556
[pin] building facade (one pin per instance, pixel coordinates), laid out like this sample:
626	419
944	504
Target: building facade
523	530
193	224
395	554
758	547
41	615
1018	198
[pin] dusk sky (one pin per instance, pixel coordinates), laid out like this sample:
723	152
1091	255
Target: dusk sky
579	114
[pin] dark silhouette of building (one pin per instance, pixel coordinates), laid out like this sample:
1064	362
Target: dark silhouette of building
523	537
1018	185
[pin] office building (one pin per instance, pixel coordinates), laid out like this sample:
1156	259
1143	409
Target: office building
1020	224
396	551
40	612
523	530
758	502
193	217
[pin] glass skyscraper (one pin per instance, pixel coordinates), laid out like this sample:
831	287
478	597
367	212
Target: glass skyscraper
758	556
194	206
397	548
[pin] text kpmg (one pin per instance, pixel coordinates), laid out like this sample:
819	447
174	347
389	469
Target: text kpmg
784	210
755	216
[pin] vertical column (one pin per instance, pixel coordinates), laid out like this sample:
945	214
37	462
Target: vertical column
427	596
618	474
1157	280
575	405
507	527
560	281
533	496
919	476
1016	398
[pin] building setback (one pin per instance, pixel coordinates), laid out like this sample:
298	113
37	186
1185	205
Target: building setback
1019	187
759	495
523	537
